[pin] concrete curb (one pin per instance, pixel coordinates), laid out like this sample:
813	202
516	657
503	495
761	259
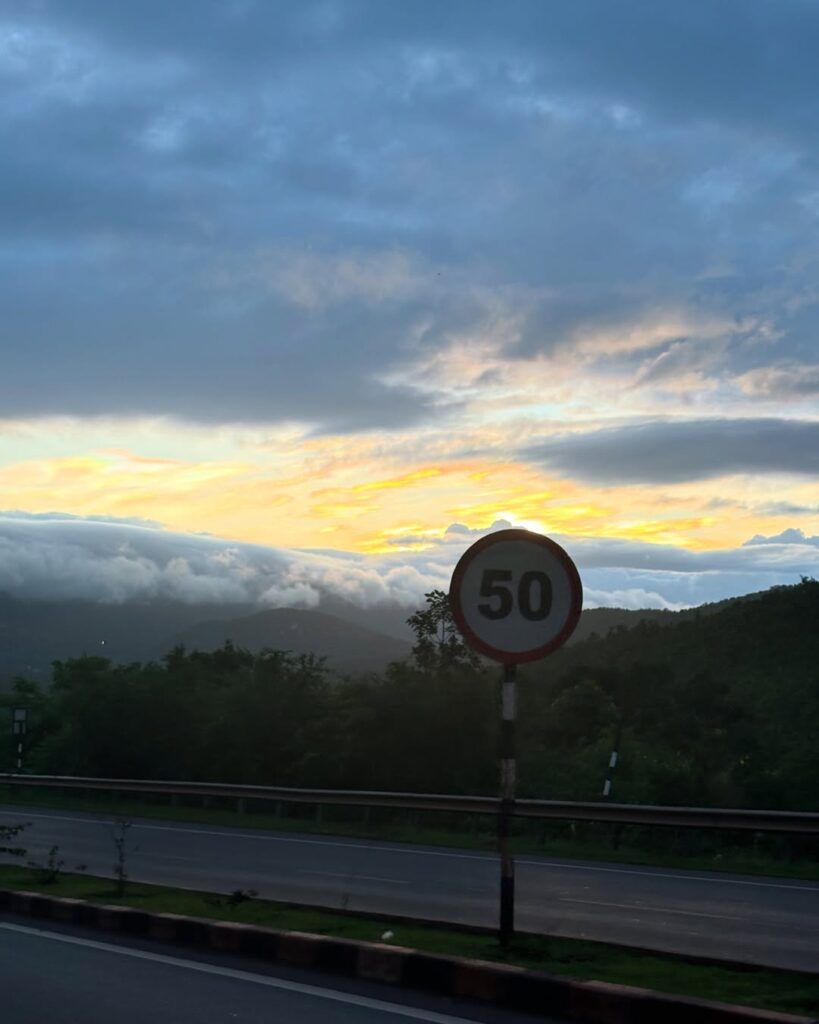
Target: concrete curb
477	929
513	988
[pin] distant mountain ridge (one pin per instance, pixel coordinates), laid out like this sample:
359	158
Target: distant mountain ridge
347	647
601	621
353	639
35	633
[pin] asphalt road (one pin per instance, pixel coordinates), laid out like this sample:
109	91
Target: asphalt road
67	976
756	920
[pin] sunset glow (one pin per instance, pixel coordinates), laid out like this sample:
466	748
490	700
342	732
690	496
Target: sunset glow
336	280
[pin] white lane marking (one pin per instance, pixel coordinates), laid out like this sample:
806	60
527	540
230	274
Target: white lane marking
377	878
648	873
256	979
193	831
487	858
329	874
654	910
353	877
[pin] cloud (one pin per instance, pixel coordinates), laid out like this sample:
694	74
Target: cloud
56	517
790	536
634	599
315	281
787	508
67	557
266	213
60	558
670	451
791	381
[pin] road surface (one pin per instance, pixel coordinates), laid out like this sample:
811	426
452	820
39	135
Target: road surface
67	975
756	920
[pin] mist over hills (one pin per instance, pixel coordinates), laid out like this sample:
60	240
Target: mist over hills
33	634
352	638
346	646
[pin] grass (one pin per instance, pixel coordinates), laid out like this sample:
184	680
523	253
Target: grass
759	987
586	842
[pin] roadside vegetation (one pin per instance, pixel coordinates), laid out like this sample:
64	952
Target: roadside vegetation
716	710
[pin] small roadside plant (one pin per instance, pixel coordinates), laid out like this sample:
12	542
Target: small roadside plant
239	896
50	872
233	899
8	837
52	869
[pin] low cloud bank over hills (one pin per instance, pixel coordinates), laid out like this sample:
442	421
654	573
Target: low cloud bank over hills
60	557
129	589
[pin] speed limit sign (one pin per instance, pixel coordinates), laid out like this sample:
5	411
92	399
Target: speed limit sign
515	596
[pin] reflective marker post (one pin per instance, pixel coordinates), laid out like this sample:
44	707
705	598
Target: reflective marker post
19	721
515	597
508	775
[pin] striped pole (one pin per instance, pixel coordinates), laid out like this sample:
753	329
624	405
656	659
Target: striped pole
608	781
508	772
19	719
609	773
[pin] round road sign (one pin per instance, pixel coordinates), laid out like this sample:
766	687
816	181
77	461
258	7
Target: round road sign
515	596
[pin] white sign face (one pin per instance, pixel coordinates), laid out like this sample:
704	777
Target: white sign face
516	596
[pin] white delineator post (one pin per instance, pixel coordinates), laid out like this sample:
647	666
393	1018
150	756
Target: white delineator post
19	721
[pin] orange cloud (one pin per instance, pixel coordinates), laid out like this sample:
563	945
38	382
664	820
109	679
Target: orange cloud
370	493
407	480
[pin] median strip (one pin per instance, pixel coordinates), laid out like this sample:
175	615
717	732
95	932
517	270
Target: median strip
581	981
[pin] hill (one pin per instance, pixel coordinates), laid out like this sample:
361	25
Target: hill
717	707
347	647
33	634
771	628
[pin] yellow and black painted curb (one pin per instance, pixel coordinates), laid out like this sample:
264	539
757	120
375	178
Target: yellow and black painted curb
513	988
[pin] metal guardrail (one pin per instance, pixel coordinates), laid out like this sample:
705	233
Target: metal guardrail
804	822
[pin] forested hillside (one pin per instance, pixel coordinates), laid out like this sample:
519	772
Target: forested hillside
720	709
33	634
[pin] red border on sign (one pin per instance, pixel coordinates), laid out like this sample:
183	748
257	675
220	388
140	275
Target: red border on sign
515	657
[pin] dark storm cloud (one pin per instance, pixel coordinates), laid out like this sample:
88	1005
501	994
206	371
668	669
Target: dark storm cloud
668	452
606	160
690	58
191	355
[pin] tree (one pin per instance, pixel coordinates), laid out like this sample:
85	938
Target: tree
438	644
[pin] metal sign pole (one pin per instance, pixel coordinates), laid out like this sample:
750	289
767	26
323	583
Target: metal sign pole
508	773
515	597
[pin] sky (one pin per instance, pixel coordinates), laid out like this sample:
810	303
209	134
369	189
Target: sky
306	296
